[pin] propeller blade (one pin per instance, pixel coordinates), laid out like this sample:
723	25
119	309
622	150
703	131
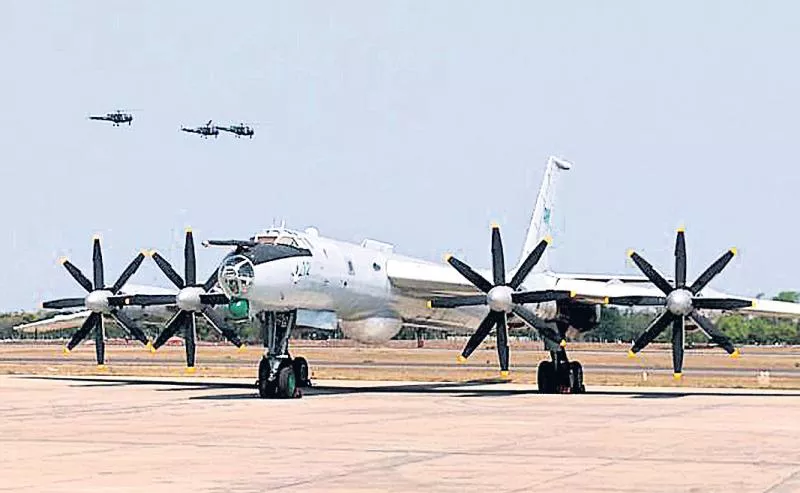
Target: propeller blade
97	264
142	300
529	263
81	334
480	334
190	339
63	303
470	275
129	326
547	330
77	275
656	327
167	269
637	300
712	271
680	259
541	296
456	301
219	324
651	273
502	342
716	335
100	340
214	299
721	303
173	326
677	346
498	259
127	273
211	281
190	263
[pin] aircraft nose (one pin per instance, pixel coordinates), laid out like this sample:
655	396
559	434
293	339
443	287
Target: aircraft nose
235	276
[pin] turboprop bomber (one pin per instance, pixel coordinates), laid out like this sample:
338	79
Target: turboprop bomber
279	274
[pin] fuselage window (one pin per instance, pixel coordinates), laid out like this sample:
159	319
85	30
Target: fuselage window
350	269
376	266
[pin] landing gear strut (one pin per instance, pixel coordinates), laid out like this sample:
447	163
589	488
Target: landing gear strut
280	375
559	376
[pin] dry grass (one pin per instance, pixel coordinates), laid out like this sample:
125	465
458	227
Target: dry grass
606	364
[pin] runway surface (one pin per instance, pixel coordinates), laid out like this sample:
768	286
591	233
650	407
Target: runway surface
140	434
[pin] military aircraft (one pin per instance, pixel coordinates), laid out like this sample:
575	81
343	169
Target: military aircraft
280	274
240	130
203	130
116	118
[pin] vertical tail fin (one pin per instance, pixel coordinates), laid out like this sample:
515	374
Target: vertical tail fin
540	225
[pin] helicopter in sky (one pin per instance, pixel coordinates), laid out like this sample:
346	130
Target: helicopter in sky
203	130
240	130
116	117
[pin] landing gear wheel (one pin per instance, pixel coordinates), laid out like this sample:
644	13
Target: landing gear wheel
266	389
287	383
546	377
300	367
576	377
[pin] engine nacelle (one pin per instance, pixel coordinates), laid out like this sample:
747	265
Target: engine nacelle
580	316
373	330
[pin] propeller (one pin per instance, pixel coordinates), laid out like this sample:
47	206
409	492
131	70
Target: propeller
98	302
193	298
681	301
503	299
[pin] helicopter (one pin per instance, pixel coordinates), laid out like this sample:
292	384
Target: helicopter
203	130
240	130
116	117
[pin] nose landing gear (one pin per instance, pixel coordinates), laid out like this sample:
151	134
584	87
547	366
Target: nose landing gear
280	375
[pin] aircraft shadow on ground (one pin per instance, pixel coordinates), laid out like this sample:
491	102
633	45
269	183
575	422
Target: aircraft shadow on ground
455	389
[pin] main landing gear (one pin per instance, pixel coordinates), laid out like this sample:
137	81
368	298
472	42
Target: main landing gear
280	375
559	376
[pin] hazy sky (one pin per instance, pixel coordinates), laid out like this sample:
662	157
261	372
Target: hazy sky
416	123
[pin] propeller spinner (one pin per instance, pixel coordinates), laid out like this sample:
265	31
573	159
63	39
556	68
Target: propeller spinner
98	302
681	302
503	299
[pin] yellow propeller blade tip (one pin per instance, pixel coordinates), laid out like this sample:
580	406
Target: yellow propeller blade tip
66	351
188	229
677	376
504	373
190	369
242	348
630	253
734	251
430	304
461	359
495	225
606	300
447	257
102	367
145	252
548	239
631	354
573	294
62	260
96	237
563	343
736	353
753	304
681	229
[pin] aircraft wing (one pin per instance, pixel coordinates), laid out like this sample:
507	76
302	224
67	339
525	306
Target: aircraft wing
596	291
52	324
420	279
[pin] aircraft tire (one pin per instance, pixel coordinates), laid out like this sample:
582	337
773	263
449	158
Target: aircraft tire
287	383
266	389
300	367
576	371
546	377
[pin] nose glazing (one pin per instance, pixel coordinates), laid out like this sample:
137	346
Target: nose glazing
236	275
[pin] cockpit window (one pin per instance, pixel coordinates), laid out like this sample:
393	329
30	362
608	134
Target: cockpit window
281	237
